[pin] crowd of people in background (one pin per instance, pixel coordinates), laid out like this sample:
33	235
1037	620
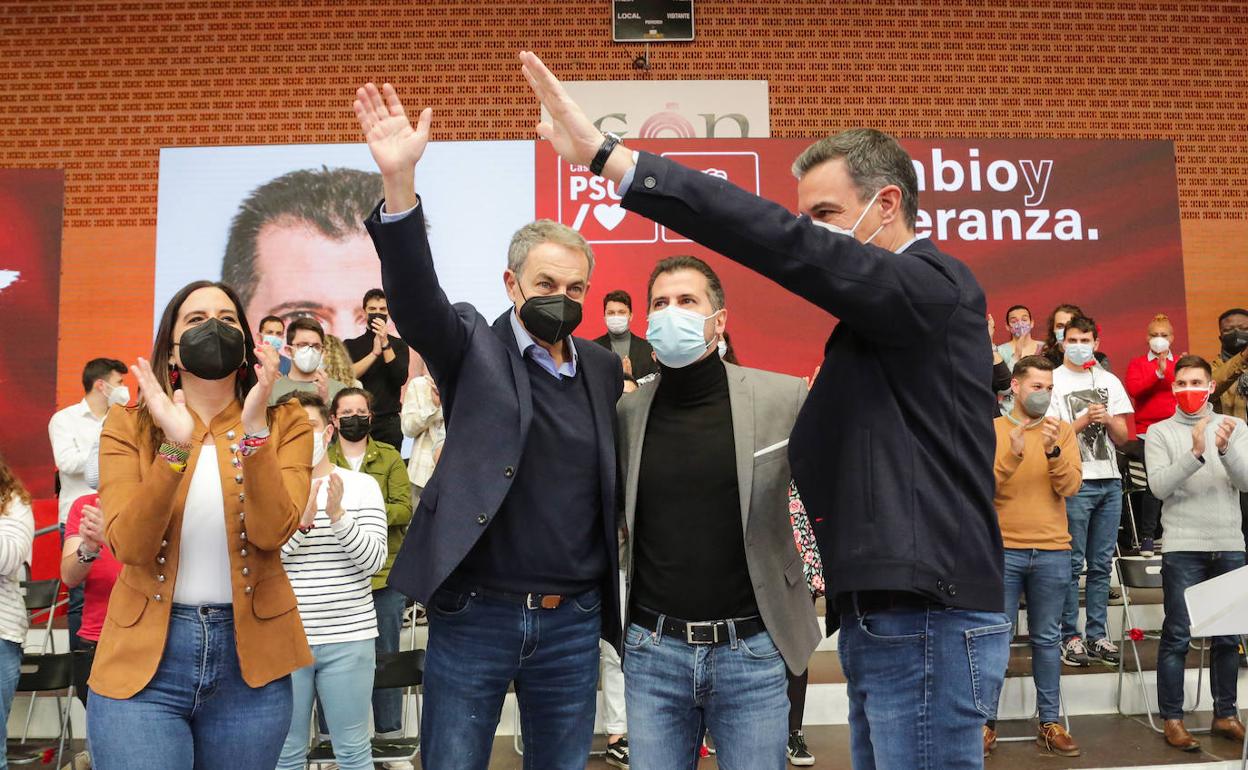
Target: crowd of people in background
243	542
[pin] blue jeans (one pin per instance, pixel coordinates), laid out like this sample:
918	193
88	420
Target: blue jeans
10	670
1179	571
1043	577
388	704
921	682
342	679
676	691
196	712
477	647
73	610
1093	516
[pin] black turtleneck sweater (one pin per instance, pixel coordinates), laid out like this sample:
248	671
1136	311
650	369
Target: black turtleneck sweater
689	546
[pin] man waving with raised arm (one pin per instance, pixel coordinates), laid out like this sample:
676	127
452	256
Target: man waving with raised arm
513	545
893	448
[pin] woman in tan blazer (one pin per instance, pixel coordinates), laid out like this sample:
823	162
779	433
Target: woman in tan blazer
200	489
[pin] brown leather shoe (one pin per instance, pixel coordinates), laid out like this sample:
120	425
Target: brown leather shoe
1178	736
1228	727
990	740
1054	739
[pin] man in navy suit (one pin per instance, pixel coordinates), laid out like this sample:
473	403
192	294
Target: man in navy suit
893	449
512	547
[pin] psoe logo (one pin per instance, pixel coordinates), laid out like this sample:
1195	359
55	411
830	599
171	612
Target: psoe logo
739	168
672	124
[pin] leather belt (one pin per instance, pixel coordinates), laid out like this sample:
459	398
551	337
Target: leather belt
880	601
532	601
697	632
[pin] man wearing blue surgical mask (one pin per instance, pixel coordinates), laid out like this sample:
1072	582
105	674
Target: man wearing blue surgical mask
1096	405
716	594
272	331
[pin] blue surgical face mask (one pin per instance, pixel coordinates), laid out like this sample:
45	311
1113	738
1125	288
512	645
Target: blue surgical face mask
274	341
1059	334
1079	353
678	336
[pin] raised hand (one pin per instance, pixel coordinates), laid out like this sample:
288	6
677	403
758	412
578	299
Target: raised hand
1048	429
1222	438
395	144
170	414
91	528
256	403
992	328
309	510
1018	440
321	380
333	500
569	130
1198	436
627	364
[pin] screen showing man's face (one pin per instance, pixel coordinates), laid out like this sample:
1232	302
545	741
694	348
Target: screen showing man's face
300	272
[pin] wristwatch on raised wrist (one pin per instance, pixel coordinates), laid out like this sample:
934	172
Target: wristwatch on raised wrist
86	557
599	162
1054	453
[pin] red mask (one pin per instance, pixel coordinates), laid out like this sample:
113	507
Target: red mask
1192	401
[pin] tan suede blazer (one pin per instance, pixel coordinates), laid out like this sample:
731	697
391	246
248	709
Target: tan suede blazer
143	498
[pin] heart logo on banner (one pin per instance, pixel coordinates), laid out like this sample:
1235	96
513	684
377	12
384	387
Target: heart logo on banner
609	216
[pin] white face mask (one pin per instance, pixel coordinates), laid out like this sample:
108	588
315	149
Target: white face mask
723	347
1159	345
307	360
850	232
617	324
318	448
119	395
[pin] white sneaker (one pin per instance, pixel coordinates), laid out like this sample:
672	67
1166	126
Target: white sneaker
402	765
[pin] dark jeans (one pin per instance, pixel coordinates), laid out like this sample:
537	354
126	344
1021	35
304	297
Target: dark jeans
478	646
921	684
196	712
73	611
1179	571
388	704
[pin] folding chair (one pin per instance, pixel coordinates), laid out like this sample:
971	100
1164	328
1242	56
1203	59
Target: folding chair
41	599
1134	480
45	673
405	669
1145	573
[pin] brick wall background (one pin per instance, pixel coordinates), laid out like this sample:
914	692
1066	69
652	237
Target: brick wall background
97	88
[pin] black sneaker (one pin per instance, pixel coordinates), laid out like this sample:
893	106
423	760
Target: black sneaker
1147	549
1104	651
1075	654
799	756
617	754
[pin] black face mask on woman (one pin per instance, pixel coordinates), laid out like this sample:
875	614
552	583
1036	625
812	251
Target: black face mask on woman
355	427
212	350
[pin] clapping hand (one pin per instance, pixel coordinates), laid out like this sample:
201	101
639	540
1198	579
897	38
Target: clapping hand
1198	436
170	414
91	528
333	501
1048	429
1222	438
256	403
1018	439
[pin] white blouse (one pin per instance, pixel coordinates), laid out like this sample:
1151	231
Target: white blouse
203	555
17	531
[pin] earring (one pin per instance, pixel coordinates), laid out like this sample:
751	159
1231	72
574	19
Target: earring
173	375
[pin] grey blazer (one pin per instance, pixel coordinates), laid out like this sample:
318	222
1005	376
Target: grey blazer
764	407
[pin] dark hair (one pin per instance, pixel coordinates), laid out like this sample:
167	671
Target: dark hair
372	294
368	397
11	488
307	324
1018	307
1028	363
672	264
162	352
1231	312
307	398
873	159
99	369
269	318
620	296
335	202
1083	324
1050	341
1193	362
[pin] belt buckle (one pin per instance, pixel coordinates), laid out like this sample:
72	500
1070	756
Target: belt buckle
544	601
689	627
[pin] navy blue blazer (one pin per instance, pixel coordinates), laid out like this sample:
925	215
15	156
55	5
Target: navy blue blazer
894	446
488	407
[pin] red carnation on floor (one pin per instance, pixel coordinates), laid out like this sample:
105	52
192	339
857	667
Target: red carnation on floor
1136	634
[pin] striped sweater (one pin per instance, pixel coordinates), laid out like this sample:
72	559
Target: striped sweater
17	531
331	566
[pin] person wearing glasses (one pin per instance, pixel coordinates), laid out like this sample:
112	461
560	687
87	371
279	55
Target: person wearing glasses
305	346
